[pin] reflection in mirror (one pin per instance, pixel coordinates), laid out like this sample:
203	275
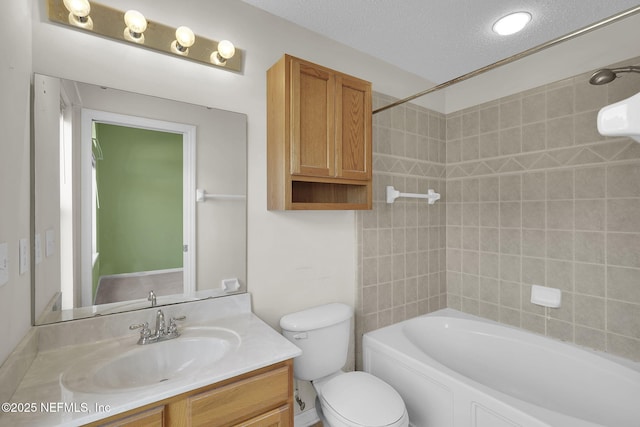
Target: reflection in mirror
115	213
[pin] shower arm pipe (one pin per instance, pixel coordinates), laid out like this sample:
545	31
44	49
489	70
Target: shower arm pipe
515	57
628	69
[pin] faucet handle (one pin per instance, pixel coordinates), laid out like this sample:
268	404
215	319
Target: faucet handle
152	298
145	332
173	328
143	325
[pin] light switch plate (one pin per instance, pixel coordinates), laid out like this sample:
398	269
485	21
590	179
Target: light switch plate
50	243
24	256
4	264
37	243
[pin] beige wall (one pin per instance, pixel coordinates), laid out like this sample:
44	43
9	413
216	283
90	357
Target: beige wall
15	74
535	195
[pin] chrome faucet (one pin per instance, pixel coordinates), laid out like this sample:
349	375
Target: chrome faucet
152	298
162	332
160	324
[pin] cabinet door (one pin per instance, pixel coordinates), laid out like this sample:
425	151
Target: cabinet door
277	418
312	120
353	128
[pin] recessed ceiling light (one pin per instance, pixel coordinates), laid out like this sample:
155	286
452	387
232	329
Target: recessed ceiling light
511	23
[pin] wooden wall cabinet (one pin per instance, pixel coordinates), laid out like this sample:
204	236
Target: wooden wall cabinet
319	149
262	398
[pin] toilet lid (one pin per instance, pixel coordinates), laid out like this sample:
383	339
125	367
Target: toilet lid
363	399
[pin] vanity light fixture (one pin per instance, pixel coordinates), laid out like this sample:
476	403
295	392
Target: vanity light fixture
512	23
178	42
79	13
225	51
136	24
184	40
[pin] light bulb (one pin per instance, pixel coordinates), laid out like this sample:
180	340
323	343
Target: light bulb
511	23
136	26
185	38
79	8
79	13
225	51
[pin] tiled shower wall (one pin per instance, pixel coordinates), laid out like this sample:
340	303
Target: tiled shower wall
535	195
401	246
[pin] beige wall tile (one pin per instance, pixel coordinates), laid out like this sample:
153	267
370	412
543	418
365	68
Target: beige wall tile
510	214
623	215
534	108
590	279
489	214
489	119
623	318
534	215
623	249
590	215
534	137
510	113
560	184
489	189
489	145
560	102
560	244
560	132
589	311
534	243
590	182
622	180
623	284
534	186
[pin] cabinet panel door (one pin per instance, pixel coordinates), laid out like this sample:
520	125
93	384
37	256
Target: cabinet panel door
312	120
353	132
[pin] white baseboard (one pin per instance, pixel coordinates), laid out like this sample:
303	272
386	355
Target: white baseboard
306	418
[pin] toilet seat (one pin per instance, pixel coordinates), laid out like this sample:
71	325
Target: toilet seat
358	399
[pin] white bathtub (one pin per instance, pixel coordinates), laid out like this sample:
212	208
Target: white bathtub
457	370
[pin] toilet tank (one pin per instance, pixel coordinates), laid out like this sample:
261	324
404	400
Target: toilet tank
322	333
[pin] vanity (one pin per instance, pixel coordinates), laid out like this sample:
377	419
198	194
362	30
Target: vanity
227	368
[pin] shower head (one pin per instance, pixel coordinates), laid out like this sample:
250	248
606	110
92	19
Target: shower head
607	75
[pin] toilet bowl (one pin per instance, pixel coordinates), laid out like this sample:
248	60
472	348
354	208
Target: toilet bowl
346	399
358	399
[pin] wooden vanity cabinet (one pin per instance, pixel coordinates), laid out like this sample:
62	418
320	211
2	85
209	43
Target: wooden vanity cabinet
262	398
319	146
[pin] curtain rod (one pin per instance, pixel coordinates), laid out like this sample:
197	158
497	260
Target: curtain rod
515	57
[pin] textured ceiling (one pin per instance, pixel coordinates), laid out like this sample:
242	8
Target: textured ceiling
440	40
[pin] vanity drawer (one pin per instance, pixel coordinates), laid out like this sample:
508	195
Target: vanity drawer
277	418
149	418
240	400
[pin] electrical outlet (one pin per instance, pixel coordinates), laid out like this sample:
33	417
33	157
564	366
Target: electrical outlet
49	243
38	249
4	264
24	256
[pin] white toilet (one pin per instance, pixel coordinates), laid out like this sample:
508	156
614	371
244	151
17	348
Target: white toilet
347	399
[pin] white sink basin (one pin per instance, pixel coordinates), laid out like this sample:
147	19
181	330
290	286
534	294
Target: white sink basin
151	364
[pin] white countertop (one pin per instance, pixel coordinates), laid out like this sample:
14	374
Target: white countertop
49	403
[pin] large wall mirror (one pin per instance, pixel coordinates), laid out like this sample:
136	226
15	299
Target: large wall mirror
138	201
